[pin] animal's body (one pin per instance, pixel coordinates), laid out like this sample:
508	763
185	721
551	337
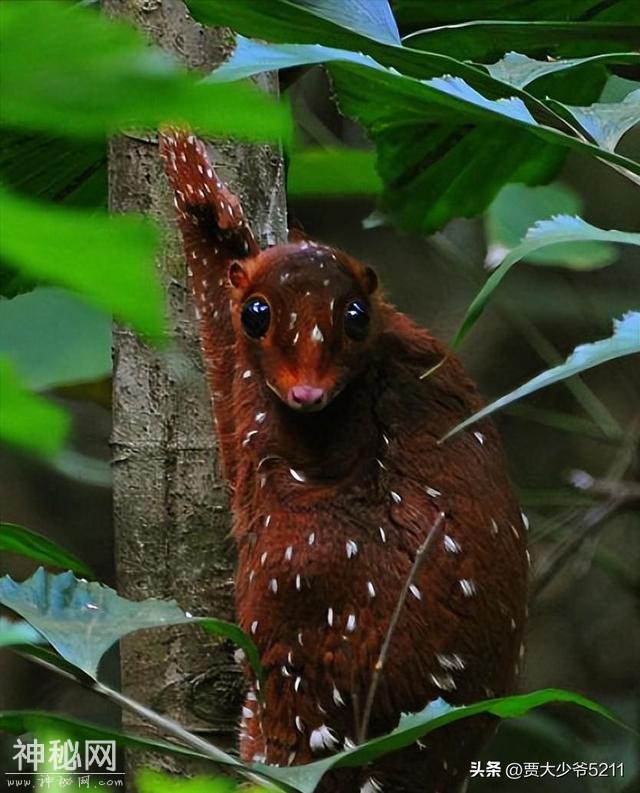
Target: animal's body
329	440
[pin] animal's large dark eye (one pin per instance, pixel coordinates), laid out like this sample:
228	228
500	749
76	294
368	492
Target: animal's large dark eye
356	320
256	316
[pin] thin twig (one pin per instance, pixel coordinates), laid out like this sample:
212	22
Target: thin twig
384	651
592	521
596	516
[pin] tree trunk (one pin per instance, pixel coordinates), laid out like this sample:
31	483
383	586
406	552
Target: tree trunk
170	507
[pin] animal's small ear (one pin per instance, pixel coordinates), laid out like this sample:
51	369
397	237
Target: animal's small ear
370	280
238	275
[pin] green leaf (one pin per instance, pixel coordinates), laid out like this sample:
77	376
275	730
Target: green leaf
339	23
417	12
616	89
625	341
606	123
17	722
560	229
149	781
444	150
519	70
27	421
437	714
287	22
517	207
109	260
332	172
83	619
54	338
85	75
255	57
66	170
21	632
401	100
489	39
427	130
16	539
374	20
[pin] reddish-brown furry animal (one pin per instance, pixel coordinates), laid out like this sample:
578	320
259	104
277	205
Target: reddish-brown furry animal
329	442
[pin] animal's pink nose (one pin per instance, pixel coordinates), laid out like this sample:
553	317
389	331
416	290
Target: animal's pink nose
305	396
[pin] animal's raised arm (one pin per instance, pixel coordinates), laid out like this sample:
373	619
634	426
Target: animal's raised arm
214	233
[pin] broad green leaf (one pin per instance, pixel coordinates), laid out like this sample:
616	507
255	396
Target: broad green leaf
329	172
54	338
85	75
17	539
416	162
412	727
606	122
519	70
427	130
489	39
27	421
560	229
374	20
12	633
404	100
72	171
17	722
625	341
451	118
109	260
444	150
616	89
517	207
417	12
83	619
287	22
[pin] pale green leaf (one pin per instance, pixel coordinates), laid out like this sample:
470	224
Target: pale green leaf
624	341
560	229
517	207
252	57
519	70
606	123
54	338
83	619
374	20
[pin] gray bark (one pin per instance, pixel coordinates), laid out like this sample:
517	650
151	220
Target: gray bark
170	507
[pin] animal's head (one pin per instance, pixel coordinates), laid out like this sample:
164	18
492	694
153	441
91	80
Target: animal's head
307	316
